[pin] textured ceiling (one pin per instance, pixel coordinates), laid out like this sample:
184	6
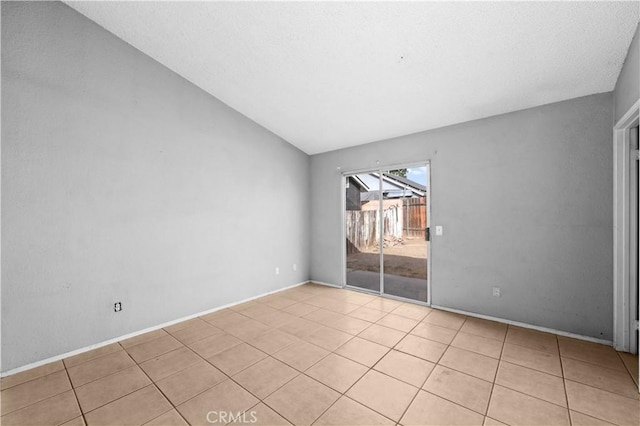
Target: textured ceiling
330	75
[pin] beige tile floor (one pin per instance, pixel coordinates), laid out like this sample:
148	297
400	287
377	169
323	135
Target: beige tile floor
325	356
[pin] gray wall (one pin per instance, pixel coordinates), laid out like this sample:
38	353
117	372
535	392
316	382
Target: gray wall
627	91
121	181
525	200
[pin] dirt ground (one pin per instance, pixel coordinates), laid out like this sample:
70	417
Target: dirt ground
407	258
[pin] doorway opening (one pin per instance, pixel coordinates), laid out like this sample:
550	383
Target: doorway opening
626	236
386	231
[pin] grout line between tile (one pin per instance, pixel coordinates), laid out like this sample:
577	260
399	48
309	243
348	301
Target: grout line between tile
172	408
454	402
564	383
416	395
275	390
199	393
346	396
532	396
601	390
92	359
106	375
75	394
276	411
194	341
369	368
117	399
588	414
34	378
598	366
624	369
40	400
633	378
153	383
495	376
377	362
175	372
330	405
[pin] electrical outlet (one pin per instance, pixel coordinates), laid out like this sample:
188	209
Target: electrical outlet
117	307
295	267
277	271
439	230
496	292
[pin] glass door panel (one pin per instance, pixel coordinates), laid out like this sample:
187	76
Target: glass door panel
362	231
404	220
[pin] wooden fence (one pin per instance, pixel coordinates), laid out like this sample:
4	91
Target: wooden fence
361	229
415	217
408	221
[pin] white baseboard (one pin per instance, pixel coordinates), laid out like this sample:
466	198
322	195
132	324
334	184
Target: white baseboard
323	283
137	333
504	321
525	325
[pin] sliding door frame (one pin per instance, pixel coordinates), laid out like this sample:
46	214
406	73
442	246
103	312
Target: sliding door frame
379	169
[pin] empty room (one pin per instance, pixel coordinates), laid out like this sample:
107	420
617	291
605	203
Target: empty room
319	213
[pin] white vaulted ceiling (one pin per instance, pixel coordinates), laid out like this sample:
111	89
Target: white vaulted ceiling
328	75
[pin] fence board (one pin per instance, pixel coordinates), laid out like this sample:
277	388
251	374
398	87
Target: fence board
414	217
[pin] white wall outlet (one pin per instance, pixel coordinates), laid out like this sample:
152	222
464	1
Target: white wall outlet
277	271
295	267
439	230
496	292
117	307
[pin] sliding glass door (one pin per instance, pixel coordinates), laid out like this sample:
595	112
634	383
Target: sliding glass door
386	228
